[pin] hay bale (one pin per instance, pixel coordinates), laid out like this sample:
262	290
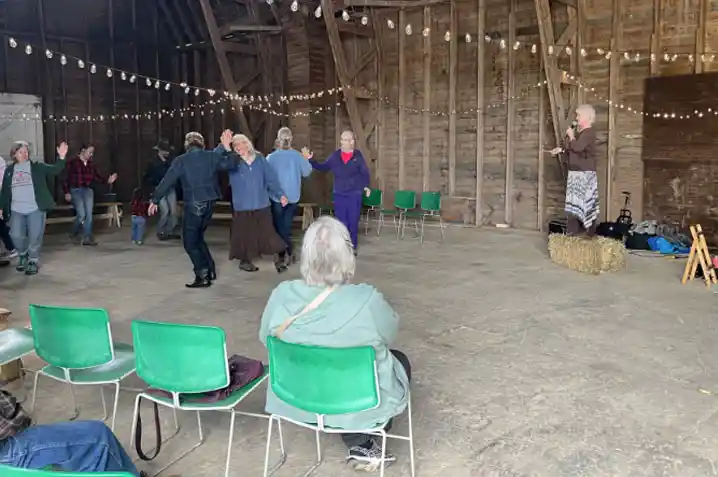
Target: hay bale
594	255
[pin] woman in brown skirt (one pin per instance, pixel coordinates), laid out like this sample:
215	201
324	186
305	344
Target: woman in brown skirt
253	183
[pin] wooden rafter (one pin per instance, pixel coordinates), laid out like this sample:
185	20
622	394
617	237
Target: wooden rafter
224	67
342	69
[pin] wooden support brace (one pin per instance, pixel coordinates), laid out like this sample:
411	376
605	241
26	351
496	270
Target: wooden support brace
510	120
224	67
402	100
480	97
453	74
699	255
426	146
343	73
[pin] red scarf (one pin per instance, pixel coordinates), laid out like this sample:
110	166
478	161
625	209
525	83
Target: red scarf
346	156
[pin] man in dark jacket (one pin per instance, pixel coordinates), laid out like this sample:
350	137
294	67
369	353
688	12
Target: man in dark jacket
155	172
197	171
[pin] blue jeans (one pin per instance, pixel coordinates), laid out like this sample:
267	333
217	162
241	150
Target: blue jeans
80	446
168	214
83	200
195	222
27	231
138	228
283	219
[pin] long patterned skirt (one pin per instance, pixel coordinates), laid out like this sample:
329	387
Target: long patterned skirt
582	196
253	234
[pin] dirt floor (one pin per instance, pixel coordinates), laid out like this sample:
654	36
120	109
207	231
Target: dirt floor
521	368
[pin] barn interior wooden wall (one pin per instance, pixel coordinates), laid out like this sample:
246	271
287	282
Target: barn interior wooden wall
399	89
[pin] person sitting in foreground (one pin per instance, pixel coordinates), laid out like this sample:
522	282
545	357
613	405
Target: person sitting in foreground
350	315
78	446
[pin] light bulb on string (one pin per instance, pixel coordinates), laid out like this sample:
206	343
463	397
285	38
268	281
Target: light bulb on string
390	24
517	45
584	53
533	48
468	38
133	78
345	15
626	55
63	60
364	20
28	50
447	36
196	92
80	64
426	31
167	87
123	76
294	6
157	85
109	73
186	90
93	69
148	82
502	44
408	29
48	54
12	42
318	12
487	38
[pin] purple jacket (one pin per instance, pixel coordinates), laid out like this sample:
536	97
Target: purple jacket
349	178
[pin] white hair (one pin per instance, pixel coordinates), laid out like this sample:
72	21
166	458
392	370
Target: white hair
588	111
284	138
250	147
327	253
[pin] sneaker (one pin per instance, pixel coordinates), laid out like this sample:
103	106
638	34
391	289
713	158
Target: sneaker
9	255
368	458
31	268
134	242
21	263
139	242
88	241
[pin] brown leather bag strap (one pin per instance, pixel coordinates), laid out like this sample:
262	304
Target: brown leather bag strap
279	331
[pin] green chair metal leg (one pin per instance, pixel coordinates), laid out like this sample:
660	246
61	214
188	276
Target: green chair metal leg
283	456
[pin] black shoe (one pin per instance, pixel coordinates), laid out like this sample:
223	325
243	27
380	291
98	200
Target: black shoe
201	280
280	267
368	458
212	276
88	241
247	266
163	237
175	236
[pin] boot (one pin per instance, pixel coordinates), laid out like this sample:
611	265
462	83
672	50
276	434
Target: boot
201	280
212	275
247	266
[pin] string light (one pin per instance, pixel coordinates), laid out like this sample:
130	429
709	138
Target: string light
294	6
345	15
364	20
318	12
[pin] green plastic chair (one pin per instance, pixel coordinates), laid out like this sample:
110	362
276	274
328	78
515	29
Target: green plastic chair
6	471
373	203
327	381
327	209
189	360
77	345
404	201
430	208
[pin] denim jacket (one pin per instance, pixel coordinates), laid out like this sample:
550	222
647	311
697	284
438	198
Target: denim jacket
197	171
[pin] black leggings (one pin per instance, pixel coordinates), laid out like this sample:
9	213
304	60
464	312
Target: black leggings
363	440
5	236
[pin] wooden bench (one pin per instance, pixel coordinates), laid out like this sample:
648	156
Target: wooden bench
307	217
113	214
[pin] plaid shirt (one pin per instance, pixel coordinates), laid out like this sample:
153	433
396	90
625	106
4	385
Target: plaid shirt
13	418
81	174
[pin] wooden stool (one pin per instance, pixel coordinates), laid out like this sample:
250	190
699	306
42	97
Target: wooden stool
307	214
699	255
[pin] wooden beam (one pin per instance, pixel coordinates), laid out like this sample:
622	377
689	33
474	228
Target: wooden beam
453	59
546	31
89	93
158	94
568	3
229	47
343	73
390	3
224	68
238	28
402	100
176	35
580	35
655	37
510	119
363	62
698	64
244	82
426	149
541	193
197	72
49	100
138	126
265	60
381	114
568	33
613	98
480	94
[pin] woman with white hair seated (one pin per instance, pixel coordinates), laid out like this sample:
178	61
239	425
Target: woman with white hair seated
582	205
325	309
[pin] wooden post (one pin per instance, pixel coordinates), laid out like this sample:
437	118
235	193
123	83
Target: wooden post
113	126
541	196
196	70
157	69
138	121
580	32
453	56
510	119
698	65
426	151
402	98
224	67
546	33
89	91
655	38
381	115
613	98
480	94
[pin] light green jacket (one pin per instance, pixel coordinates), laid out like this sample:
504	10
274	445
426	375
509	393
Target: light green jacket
352	315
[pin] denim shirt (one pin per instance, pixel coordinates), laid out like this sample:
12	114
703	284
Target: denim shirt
197	171
252	186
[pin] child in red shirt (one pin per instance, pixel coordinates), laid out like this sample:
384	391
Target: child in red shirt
139	216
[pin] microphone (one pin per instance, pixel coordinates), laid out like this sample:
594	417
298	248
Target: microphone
574	125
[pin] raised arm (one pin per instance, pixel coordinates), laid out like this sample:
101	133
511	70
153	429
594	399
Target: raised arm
224	159
305	167
326	165
59	165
